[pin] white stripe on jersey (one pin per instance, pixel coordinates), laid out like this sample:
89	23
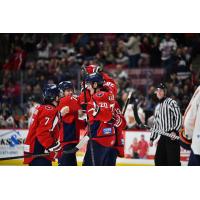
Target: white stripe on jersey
55	121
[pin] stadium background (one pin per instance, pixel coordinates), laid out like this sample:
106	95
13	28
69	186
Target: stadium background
28	61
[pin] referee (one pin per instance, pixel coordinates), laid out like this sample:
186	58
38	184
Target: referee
167	119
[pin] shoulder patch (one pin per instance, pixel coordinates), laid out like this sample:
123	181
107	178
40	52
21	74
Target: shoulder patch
48	107
111	97
100	94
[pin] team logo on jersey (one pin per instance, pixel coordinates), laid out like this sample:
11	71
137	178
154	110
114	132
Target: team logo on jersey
99	94
48	108
107	131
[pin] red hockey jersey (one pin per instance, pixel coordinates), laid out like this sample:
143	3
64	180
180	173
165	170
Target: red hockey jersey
71	125
43	131
99	111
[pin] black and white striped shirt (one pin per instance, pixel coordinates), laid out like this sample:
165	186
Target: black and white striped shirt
167	118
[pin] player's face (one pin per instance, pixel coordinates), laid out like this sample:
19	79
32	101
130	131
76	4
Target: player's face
68	92
160	93
89	86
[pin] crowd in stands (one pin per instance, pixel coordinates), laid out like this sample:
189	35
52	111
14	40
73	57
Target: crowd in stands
29	61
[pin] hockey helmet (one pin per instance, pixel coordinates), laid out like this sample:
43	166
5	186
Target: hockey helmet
161	86
50	92
64	85
94	77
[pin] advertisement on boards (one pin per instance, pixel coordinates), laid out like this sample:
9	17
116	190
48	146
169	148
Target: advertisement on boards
11	142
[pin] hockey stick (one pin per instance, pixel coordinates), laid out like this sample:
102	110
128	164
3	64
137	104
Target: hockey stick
88	123
141	125
74	150
127	102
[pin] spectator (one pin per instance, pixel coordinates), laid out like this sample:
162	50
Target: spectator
143	147
54	58
167	47
149	102
155	52
44	47
133	49
120	73
91	49
145	48
182	67
134	149
9	120
122	59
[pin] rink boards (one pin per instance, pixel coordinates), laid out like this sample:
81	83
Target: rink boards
11	144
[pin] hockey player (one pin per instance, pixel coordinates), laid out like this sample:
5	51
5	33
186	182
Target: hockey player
118	120
70	126
99	111
109	83
192	128
44	130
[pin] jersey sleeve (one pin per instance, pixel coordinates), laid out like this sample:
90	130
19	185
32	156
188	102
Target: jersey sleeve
109	84
107	78
154	130
120	122
74	104
177	115
110	87
62	103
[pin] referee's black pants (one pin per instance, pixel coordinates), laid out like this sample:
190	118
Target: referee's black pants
167	152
